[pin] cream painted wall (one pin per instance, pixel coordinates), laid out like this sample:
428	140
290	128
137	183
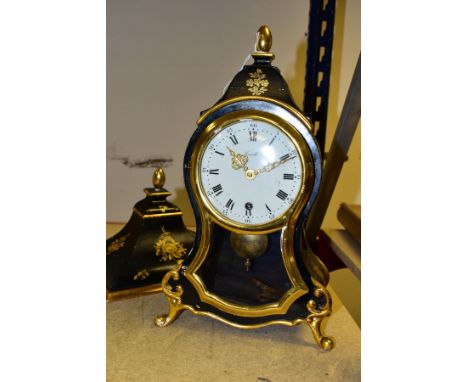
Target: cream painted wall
168	60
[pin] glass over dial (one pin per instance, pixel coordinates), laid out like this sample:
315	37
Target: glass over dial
250	172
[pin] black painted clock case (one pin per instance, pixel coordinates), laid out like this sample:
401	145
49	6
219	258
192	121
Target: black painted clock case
223	272
147	247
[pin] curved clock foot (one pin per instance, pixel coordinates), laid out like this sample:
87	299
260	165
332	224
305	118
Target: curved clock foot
317	313
326	343
167	319
172	296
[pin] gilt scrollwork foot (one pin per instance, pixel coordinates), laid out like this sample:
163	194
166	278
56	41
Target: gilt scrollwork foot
173	298
318	312
167	319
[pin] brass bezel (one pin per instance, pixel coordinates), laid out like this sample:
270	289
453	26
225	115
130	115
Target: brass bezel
223	123
285	222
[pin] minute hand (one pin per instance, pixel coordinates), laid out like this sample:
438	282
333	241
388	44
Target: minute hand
272	166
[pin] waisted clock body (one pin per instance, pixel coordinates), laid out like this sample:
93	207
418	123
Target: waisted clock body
252	170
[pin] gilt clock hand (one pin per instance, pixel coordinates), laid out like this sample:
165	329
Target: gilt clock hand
238	160
269	167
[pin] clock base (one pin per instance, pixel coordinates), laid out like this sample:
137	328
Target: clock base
318	307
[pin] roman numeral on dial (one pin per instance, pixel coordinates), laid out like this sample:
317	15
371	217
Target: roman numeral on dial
253	135
215	171
218	189
281	194
288	176
285	156
234	140
230	204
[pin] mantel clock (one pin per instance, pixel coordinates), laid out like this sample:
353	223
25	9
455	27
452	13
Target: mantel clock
252	170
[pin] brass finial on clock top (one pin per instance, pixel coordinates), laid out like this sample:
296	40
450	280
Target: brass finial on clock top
159	177
252	170
264	39
263	45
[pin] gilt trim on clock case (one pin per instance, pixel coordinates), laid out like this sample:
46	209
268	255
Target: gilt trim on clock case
298	129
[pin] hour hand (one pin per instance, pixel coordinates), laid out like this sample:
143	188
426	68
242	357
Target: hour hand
238	160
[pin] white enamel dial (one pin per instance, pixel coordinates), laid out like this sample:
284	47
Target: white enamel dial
251	172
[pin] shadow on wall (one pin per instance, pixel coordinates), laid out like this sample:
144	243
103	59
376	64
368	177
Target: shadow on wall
180	199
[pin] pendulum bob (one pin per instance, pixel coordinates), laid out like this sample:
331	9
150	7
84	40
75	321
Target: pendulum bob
248	246
149	245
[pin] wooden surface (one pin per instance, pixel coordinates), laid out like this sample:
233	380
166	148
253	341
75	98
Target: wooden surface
350	216
198	348
346	248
